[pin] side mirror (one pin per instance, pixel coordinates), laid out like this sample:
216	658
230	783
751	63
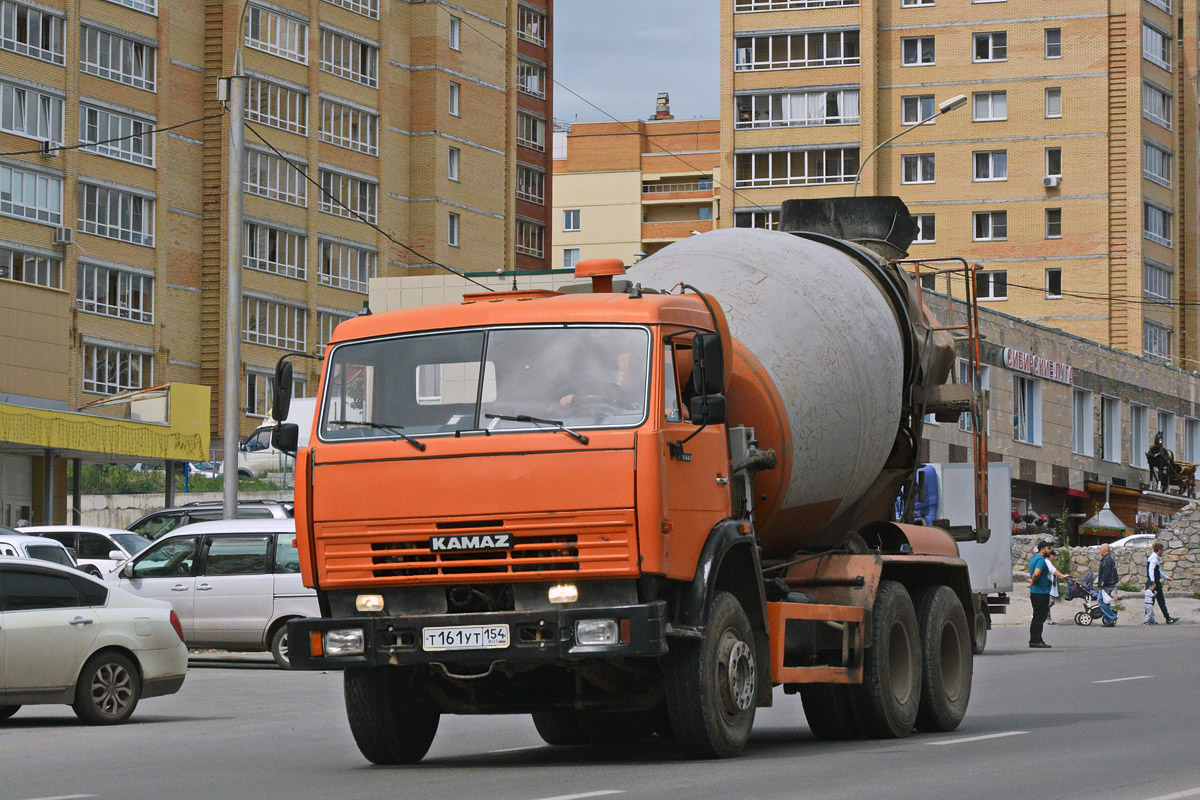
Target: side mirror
116	555
708	364
707	409
281	403
127	570
286	437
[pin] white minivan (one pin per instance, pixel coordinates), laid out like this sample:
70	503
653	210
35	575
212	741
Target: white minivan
234	583
103	548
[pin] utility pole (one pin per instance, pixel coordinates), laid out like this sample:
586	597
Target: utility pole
235	88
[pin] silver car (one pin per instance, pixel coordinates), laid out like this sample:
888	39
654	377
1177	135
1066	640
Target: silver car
234	583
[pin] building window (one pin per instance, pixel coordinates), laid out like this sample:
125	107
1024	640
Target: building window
1191	440
326	322
117	58
1165	5
746	6
1053	102
455	91
346	265
1166	424
41	270
1054	284
991	285
1156	341
116	135
277	34
145	6
275	250
981	383
796	109
349	126
1054	223
990	106
531	132
276	105
454	38
348	196
531	79
110	370
1027	409
917	51
918	168
1053	42
1156	104
367	8
571	219
926	228
116	214
260	389
32	32
26	194
929	282
1156	281
531	237
349	57
1156	224
531	184
531	26
991	165
1053	162
30	113
991	226
1156	46
570	257
991	46
452	158
1139	435
115	292
767	220
796	167
273	324
1156	163
797	50
1110	429
452	228
915	3
916	108
268	175
1083	434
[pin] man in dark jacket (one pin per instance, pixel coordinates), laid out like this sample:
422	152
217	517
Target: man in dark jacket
1108	570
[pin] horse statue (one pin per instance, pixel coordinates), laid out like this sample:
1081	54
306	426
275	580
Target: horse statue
1166	472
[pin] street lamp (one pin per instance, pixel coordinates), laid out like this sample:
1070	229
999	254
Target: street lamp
943	107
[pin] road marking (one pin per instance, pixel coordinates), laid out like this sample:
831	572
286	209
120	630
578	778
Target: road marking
600	793
1131	678
980	738
1177	795
63	797
517	749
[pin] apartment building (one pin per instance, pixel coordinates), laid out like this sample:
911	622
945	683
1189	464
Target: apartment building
1066	173
381	139
627	189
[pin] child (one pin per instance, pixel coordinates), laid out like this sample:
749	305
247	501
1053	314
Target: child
1149	618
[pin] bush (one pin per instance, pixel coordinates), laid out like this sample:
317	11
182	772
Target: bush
1126	586
123	479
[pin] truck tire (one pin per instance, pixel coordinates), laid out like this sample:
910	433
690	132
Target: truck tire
947	666
391	722
828	710
560	727
886	703
712	683
979	640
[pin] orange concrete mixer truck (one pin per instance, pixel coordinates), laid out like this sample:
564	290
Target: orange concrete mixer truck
634	509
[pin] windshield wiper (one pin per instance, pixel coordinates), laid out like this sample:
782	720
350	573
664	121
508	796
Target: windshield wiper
393	429
539	421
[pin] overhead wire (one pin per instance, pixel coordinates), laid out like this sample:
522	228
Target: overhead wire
51	148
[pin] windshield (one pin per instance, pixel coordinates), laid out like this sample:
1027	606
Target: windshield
131	542
579	377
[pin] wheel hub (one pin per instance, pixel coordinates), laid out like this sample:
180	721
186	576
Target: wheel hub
737	674
111	689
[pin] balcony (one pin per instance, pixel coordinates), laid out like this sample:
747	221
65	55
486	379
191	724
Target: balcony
699	190
674	230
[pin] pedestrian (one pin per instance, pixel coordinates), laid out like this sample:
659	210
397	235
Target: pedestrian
1155	580
1108	578
1039	592
1149	619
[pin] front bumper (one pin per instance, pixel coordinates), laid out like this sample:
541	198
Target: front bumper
536	637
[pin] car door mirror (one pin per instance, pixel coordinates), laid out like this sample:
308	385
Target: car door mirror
127	570
286	437
115	555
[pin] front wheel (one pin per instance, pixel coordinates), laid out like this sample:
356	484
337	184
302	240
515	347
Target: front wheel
392	722
1083	618
560	727
712	683
108	690
947	666
886	703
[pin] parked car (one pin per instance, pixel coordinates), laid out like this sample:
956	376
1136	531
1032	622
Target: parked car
71	638
104	548
235	583
22	545
204	469
165	520
1142	539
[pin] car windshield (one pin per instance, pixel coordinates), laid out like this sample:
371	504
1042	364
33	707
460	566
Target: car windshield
46	552
131	542
500	379
154	527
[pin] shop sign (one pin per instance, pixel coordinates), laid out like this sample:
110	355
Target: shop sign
1038	366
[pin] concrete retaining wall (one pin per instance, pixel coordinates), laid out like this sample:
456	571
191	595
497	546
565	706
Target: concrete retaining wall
122	510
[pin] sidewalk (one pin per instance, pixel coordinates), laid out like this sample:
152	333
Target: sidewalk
1020	612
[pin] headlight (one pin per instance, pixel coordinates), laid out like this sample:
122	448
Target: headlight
564	593
369	602
596	631
345	642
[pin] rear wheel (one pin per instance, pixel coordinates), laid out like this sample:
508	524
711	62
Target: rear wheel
828	710
979	640
108	689
712	683
1083	618
8	711
886	703
279	647
392	723
560	727
947	667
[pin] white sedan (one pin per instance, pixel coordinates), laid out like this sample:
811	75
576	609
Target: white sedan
66	637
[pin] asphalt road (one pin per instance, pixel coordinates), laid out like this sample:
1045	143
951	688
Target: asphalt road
1105	713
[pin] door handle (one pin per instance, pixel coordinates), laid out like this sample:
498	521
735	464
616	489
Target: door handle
80	621
179	587
204	587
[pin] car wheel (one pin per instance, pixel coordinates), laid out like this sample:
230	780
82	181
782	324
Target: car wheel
91	569
7	711
108	690
246	474
279	647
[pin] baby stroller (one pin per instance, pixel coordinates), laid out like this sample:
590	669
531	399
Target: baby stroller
1094	606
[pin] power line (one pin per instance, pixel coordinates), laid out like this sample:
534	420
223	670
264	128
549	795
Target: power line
49	148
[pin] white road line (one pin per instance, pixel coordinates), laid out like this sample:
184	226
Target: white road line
516	749
600	793
62	797
1131	678
980	738
1178	795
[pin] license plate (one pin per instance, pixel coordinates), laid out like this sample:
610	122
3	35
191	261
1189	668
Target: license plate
466	637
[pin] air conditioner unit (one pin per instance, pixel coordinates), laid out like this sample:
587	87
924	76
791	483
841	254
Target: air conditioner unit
64	236
1051	181
48	148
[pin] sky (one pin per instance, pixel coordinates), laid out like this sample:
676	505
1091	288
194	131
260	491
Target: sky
617	55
